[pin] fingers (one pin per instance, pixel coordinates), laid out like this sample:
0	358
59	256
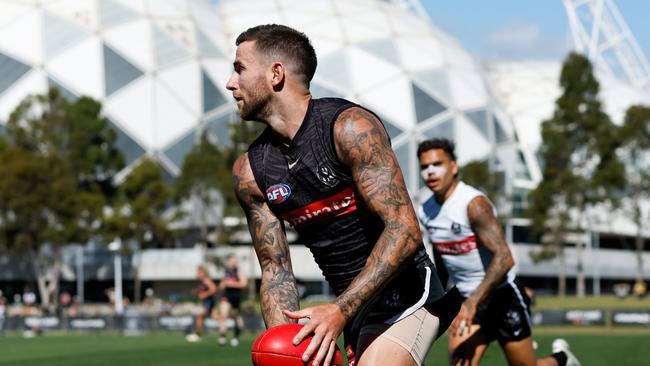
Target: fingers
330	354
323	350
454	325
299	314
303	333
316	343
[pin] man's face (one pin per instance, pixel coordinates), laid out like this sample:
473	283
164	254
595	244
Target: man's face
248	82
231	262
437	170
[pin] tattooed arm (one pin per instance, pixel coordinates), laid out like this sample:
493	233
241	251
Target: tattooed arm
363	146
278	291
490	235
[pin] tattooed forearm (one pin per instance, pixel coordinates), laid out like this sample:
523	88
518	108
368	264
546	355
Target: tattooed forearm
490	235
362	144
278	289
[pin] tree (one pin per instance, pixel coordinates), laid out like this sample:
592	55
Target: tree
478	174
204	175
137	216
581	169
57	163
635	150
242	134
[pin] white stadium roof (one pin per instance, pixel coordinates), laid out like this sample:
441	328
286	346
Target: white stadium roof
417	78
153	65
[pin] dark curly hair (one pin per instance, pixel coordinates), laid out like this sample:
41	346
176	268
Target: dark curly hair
443	144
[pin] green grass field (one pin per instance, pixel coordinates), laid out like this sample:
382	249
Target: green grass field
594	347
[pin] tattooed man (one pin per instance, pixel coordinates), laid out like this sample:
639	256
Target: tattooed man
470	249
326	167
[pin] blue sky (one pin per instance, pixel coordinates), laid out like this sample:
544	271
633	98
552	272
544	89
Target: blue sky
522	28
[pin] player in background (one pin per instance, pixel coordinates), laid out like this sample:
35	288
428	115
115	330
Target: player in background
470	249
326	167
205	292
231	286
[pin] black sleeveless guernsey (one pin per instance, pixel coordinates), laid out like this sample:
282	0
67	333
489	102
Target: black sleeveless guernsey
307	186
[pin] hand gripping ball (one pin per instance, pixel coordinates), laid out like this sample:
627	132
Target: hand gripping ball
275	347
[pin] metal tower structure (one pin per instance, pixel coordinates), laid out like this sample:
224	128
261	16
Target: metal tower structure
600	33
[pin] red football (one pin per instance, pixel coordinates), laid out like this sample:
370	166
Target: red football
275	348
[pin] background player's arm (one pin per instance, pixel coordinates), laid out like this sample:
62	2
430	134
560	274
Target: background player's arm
240	283
278	291
490	235
210	289
363	145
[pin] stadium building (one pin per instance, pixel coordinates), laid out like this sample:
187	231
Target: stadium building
160	69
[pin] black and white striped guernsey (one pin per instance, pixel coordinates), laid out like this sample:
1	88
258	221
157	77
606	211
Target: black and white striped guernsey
307	186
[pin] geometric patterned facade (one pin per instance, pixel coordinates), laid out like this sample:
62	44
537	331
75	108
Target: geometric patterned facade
418	79
152	64
160	68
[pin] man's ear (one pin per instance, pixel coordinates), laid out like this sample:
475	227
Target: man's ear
277	73
454	167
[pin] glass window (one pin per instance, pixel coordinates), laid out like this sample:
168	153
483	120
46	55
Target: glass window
168	51
179	150
118	72
519	202
207	47
436	81
525	234
480	121
112	13
391	128
10	70
425	105
334	69
220	127
444	129
129	148
521	169
319	91
384	48
67	94
212	98
59	34
499	134
403	154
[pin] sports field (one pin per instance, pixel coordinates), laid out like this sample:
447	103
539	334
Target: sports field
595	346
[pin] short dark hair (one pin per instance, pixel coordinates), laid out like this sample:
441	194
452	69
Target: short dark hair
443	144
282	41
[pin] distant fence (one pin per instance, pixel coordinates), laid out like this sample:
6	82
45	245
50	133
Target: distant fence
138	323
128	324
579	317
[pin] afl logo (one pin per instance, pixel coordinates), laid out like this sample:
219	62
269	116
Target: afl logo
278	193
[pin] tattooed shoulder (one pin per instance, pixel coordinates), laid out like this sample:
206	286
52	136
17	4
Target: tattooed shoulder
243	182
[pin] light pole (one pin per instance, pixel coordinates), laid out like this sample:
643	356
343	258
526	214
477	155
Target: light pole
80	273
116	247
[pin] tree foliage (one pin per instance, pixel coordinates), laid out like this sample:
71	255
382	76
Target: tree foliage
581	168
140	201
56	166
204	179
634	139
477	173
